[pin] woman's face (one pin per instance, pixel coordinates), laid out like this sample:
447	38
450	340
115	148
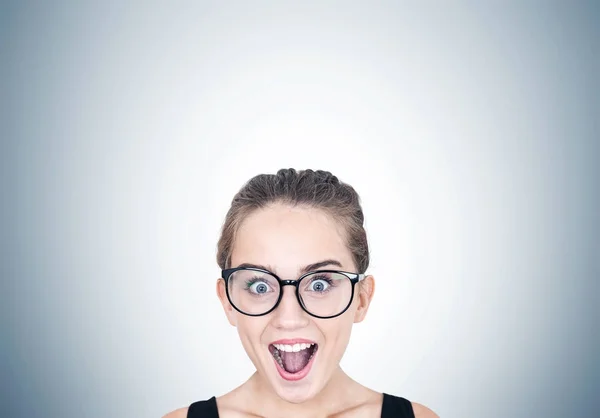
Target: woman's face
287	240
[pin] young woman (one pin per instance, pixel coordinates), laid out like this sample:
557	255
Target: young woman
293	254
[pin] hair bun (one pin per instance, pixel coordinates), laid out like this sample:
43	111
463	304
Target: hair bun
327	177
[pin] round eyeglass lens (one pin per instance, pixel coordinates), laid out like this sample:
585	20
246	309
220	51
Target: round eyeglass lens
325	294
253	292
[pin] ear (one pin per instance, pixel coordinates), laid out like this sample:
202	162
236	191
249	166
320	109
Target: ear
230	312
365	289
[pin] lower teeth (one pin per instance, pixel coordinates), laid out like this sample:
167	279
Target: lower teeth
279	361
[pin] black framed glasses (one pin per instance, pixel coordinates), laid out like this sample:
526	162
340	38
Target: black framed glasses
323	293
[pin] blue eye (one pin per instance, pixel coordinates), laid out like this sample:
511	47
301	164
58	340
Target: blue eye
319	285
258	287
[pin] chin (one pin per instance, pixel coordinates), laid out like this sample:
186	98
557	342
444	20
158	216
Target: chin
297	392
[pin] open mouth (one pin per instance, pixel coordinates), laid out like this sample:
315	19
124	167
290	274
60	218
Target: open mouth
293	360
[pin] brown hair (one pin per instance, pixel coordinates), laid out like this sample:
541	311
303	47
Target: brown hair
318	189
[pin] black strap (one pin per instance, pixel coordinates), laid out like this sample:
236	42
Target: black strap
204	409
393	407
396	407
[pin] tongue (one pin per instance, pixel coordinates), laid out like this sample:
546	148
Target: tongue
294	362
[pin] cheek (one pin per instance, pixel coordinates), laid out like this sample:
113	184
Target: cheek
250	329
338	333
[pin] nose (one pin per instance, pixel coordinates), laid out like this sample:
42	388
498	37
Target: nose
289	315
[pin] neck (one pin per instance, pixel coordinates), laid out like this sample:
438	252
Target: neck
340	391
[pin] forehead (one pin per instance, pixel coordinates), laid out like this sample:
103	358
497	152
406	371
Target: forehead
288	238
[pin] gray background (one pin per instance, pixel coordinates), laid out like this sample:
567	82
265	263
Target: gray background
470	131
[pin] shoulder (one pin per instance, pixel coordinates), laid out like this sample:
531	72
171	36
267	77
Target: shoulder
421	411
203	408
395	405
178	413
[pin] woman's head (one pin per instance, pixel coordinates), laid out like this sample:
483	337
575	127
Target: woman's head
281	227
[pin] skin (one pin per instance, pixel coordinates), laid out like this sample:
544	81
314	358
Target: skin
285	240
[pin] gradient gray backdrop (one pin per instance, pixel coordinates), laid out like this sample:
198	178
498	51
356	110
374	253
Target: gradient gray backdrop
470	131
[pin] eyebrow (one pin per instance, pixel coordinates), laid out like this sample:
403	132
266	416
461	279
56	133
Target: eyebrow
320	264
253	266
305	269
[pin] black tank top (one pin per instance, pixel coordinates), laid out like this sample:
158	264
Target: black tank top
393	407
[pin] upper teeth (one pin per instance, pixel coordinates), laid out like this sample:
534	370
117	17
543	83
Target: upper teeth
292	348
